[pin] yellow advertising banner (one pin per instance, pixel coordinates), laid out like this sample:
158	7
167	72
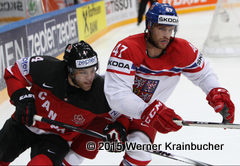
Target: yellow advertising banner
91	19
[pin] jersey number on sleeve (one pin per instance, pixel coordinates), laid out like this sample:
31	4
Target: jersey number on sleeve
121	48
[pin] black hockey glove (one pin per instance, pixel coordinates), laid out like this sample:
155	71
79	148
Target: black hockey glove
24	100
116	136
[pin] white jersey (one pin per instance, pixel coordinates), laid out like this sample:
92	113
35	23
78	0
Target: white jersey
134	80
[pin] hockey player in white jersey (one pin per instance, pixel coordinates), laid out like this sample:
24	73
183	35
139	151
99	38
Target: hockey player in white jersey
144	69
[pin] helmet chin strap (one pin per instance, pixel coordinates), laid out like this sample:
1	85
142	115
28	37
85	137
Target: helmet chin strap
72	77
74	81
150	40
149	25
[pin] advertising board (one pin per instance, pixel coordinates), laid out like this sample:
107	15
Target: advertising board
47	36
120	10
91	19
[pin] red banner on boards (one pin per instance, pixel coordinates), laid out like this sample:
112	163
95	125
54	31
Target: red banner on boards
52	5
178	4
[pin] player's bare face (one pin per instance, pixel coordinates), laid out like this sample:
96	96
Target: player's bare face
84	77
160	35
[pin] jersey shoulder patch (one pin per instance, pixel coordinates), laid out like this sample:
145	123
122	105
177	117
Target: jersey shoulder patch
46	70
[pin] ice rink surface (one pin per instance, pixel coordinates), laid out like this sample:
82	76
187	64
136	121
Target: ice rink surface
187	100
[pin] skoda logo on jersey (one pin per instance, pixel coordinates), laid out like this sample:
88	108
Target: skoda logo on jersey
78	119
169	20
86	62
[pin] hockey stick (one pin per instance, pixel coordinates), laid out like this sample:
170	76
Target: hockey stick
178	158
207	124
101	136
70	127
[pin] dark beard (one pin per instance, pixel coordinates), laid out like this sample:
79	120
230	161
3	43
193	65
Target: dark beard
153	42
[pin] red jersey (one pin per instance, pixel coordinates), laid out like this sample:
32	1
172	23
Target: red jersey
55	97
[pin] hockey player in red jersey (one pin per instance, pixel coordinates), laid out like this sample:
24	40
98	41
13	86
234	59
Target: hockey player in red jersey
143	71
68	91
